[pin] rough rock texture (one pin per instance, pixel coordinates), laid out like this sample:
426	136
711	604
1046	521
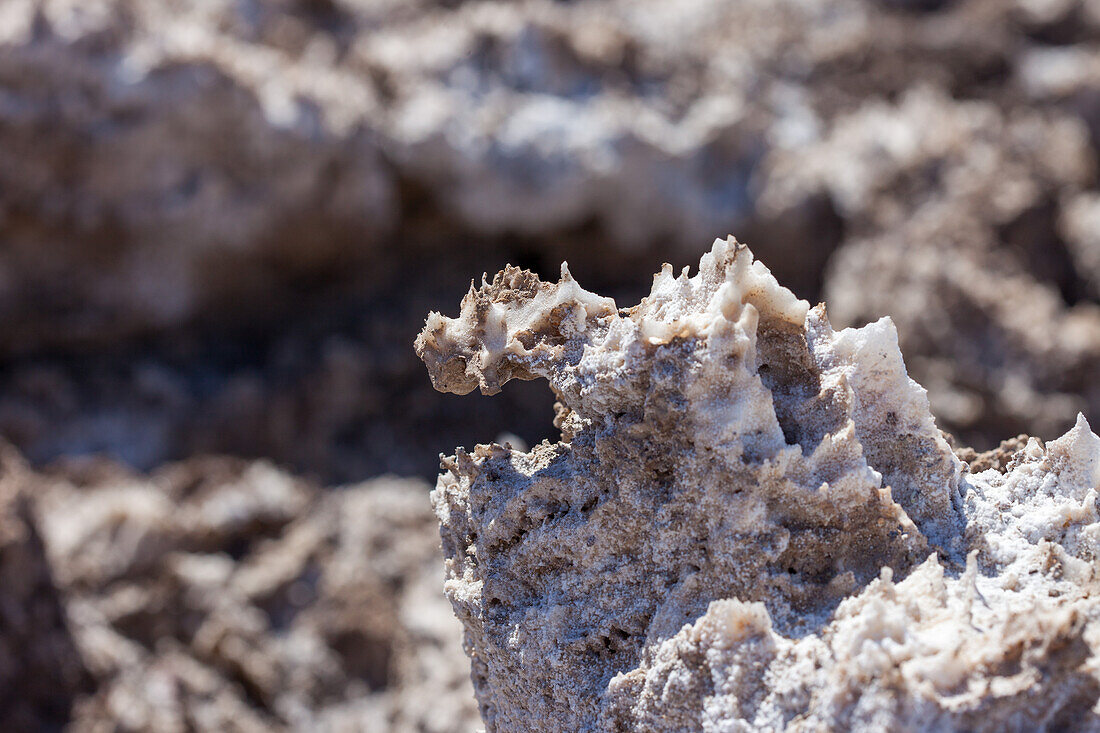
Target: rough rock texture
221	595
998	458
752	522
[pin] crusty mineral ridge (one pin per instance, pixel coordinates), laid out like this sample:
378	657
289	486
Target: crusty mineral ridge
751	521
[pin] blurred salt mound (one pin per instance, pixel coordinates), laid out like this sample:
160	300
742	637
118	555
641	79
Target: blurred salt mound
160	160
169	163
751	522
222	595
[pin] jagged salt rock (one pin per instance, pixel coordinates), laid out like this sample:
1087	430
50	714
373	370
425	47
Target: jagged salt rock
751	522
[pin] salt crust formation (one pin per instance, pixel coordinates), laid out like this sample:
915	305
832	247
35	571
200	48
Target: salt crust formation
752	522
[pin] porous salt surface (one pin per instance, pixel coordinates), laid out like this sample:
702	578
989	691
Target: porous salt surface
751	522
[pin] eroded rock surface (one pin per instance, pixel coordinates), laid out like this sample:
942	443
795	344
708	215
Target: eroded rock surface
751	520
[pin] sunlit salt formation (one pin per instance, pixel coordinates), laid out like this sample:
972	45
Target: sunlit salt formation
750	520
